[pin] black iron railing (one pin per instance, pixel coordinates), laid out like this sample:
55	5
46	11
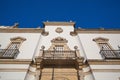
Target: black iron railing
110	54
59	54
8	53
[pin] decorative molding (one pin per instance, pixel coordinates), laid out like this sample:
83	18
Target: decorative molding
103	62
59	23
100	39
59	30
15	25
15	61
18	39
20	30
106	70
59	40
73	33
12	70
99	31
44	33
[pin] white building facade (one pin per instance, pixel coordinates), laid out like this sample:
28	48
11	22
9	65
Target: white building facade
59	52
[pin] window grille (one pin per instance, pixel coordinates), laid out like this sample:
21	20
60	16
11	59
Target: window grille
106	51
10	51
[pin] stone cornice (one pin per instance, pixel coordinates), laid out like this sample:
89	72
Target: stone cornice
103	62
21	30
99	31
59	23
15	61
106	70
12	70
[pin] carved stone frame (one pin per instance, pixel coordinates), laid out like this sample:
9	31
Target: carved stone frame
59	41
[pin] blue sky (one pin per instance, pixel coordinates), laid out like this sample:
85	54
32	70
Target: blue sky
86	13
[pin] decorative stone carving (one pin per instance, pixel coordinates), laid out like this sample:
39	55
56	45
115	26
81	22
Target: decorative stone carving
59	40
101	39
42	47
59	30
73	33
18	39
15	25
44	33
75	47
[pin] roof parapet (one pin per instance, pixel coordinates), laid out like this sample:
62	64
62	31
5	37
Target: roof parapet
59	23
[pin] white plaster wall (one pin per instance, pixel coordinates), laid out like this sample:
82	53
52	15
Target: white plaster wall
72	40
105	66
14	66
90	47
89	77
28	47
12	75
106	75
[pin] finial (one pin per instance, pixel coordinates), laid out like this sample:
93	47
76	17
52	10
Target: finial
42	47
38	27
75	47
70	20
101	28
16	25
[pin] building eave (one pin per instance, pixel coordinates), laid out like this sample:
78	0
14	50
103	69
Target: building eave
99	31
59	23
15	61
21	30
103	62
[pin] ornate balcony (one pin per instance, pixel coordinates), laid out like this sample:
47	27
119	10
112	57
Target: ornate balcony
59	58
8	53
59	54
110	54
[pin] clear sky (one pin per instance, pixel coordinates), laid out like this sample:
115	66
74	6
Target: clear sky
86	13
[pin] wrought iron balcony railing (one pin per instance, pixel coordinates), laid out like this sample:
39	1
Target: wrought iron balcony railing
8	53
59	54
110	54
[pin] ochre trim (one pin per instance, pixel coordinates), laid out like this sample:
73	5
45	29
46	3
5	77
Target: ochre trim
12	70
20	30
106	70
59	30
15	61
100	39
104	62
99	31
87	73
18	39
59	23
